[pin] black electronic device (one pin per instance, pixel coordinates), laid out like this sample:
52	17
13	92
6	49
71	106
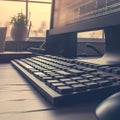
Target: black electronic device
69	17
109	109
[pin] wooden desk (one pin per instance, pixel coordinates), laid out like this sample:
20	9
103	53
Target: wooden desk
7	56
19	101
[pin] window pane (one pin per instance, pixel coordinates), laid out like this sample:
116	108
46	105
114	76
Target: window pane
39	15
40	18
41	0
9	9
91	34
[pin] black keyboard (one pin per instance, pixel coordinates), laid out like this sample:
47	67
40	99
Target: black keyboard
62	80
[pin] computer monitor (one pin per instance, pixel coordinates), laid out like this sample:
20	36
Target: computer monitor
71	16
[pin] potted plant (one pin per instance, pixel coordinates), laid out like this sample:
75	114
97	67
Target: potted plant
19	29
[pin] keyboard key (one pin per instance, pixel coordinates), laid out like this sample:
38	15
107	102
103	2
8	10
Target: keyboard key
71	82
49	82
65	80
40	74
96	79
87	76
64	89
92	85
103	67
109	69
74	71
32	70
52	74
105	82
25	65
77	78
55	85
89	70
46	78
79	87
59	77
64	73
105	75
83	81
116	71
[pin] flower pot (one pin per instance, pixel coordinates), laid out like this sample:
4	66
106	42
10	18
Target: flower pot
19	32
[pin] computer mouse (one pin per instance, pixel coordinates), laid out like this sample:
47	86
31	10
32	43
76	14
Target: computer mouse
109	109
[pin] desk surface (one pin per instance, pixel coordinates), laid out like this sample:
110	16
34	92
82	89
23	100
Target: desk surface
19	101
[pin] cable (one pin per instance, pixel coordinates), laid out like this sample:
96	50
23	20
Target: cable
94	48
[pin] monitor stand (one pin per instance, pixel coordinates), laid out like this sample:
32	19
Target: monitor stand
62	44
112	52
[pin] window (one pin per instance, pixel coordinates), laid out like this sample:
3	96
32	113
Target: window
92	34
40	18
38	13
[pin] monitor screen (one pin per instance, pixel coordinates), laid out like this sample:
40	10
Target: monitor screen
84	15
